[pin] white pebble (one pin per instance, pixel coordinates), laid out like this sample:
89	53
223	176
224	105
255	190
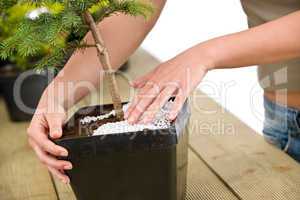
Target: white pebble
160	122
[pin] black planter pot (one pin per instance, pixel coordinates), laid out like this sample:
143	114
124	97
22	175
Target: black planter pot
146	165
3	64
22	91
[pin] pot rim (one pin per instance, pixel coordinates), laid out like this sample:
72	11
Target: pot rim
70	126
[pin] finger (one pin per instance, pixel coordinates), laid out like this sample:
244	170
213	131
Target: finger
141	81
48	146
49	160
144	101
58	174
131	106
142	93
177	105
55	122
39	136
159	102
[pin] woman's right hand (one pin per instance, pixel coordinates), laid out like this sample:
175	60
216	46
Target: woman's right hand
49	122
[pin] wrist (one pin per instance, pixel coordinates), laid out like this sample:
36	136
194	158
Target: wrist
201	57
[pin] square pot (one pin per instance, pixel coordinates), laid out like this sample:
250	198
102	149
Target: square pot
144	165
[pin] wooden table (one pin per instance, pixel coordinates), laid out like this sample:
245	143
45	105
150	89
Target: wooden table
227	160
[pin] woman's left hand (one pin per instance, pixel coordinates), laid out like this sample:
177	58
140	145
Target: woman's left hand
175	78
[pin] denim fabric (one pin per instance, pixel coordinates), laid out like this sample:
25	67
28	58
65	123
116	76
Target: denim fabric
282	128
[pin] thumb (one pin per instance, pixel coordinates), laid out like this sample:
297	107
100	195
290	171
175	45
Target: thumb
55	123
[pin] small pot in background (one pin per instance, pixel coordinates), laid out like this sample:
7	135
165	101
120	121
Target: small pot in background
22	91
3	64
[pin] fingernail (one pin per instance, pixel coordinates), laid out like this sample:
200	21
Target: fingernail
68	167
55	134
64	153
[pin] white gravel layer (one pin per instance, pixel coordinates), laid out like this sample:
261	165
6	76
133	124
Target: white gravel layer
89	119
160	122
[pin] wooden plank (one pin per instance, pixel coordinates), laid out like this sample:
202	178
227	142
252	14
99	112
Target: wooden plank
22	177
203	183
64	192
250	166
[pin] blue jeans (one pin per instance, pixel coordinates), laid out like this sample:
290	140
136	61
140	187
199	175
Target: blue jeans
282	128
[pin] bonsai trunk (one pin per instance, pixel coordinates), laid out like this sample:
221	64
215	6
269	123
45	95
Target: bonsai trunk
105	61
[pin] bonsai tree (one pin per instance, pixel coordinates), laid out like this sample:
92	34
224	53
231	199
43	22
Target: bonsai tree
73	18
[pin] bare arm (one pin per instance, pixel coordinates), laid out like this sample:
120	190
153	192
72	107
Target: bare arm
271	42
122	35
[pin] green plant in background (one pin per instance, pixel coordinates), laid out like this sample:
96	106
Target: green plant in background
61	32
10	17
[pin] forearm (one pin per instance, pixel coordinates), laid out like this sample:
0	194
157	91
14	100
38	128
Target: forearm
122	35
271	42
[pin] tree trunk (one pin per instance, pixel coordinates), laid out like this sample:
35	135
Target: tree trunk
105	61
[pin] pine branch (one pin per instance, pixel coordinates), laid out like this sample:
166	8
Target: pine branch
133	7
55	59
52	30
48	29
128	7
5	4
